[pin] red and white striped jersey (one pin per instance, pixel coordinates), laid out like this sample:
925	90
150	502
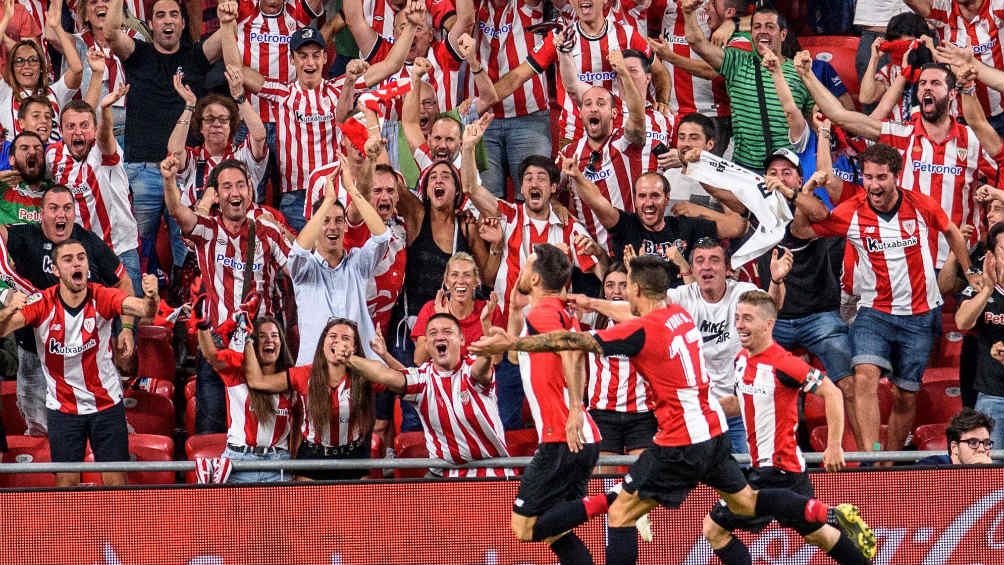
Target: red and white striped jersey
58	94
74	346
665	348
379	14
306	132
895	272
658	126
198	159
243	425
592	56
503	44
444	76
613	168
689	93
544	378
100	189
387	281
460	417
337	432
767	386
631	14
520	233
315	188
263	41
222	262
889	72
114	71
615	385
948	171
983	34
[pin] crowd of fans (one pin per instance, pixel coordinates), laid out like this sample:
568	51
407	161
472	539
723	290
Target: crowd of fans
351	187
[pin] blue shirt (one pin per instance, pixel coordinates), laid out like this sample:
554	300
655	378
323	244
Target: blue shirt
5	156
829	77
842	166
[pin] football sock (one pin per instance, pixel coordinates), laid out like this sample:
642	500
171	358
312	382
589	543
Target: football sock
560	518
846	553
571	551
622	545
788	507
596	505
735	553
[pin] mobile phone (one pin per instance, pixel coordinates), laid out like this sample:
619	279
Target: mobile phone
659	149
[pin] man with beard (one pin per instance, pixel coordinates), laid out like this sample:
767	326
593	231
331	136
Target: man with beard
30	246
528	223
22	187
221	245
153	107
330	281
88	161
756	135
899	316
943	158
35	116
72	325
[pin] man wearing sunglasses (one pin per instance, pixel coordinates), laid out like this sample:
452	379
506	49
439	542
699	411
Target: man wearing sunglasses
969	443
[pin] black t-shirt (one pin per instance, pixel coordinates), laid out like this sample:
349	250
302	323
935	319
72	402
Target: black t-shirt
153	106
813	285
31	252
988	330
680	231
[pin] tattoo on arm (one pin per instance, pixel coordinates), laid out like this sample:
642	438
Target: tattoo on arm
558	341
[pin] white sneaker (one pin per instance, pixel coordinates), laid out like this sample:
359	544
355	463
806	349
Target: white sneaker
644	525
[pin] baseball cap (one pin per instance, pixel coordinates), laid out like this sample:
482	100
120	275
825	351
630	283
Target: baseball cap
787	155
306	35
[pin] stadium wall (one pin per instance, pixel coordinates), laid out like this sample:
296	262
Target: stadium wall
920	516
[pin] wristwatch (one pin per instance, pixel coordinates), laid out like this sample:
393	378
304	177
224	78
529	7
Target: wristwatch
242	98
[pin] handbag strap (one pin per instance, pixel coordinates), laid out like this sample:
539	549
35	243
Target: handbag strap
249	260
762	99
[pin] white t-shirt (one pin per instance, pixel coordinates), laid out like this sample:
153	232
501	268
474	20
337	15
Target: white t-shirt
878	12
717	324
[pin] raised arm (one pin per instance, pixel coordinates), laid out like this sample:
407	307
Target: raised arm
567	67
106	132
172	196
75	68
871	89
512	80
780	266
347	96
179	135
250	116
411	106
696	67
854	122
215	45
808	202
700	43
792	113
121	43
634	126
969	310
145	307
960	56
487	97
96	61
973	110
415	15
590	193
922	7
365	36
375	372
274	382
11	318
485	201
312	230
362	204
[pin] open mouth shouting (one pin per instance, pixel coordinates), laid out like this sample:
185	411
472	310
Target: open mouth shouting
535	197
586	9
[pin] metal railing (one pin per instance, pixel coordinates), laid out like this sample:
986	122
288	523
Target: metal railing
344	464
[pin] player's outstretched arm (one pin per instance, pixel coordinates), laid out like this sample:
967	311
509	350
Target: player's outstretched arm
833	456
375	372
550	342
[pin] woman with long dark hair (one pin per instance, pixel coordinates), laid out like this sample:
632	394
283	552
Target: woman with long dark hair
337	403
258	422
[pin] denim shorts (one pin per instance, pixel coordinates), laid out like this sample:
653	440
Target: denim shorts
257	476
899	345
824	335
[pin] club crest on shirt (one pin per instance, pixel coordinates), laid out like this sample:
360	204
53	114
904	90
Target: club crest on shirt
465	397
88	324
961	153
909	226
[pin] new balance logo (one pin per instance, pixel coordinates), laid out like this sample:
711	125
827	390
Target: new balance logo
922	167
875	245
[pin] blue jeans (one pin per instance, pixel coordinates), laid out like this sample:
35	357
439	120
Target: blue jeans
130	260
510	140
900	344
272	172
737	435
825	335
257	476
148	207
291	206
993	406
210	400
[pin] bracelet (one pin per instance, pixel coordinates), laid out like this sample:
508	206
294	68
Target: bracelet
189	108
780	282
184	122
494	252
480	70
242	98
3	296
824	133
128	327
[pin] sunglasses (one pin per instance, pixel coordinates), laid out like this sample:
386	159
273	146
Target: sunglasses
974	443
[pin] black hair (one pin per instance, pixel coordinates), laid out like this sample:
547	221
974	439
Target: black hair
214	175
544	163
995	231
68	241
966	420
782	22
553	266
443	316
26	133
950	77
651	274
317	205
646	63
907	24
706	123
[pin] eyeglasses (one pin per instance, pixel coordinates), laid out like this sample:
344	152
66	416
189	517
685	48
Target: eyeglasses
215	119
21	61
974	443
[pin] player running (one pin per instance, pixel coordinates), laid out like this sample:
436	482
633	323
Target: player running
691	446
768	381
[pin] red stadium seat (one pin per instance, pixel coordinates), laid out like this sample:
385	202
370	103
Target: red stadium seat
13	422
819	435
815	407
206	445
930	437
948	349
521	443
947	374
27	449
160	387
149	413
142	447
937	402
839	51
376	452
190	416
190	390
410	445
155	354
